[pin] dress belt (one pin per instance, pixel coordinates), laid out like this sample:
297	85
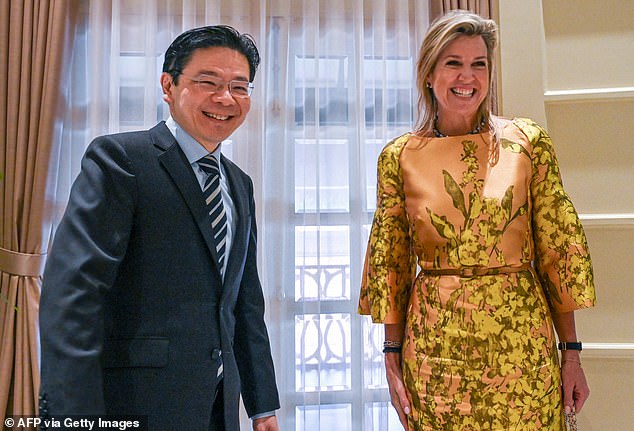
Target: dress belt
471	271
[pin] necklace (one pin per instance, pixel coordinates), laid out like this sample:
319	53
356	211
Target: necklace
440	134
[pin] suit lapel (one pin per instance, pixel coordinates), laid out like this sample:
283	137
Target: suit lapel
242	223
177	166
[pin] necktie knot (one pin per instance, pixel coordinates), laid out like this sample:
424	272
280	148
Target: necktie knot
209	164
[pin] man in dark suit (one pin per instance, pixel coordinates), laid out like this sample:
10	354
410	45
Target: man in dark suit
151	301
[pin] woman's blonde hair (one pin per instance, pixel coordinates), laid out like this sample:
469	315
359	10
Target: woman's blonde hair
443	31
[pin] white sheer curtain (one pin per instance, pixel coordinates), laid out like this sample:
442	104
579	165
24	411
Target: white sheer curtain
336	83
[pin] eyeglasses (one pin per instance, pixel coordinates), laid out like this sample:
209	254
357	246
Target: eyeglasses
212	85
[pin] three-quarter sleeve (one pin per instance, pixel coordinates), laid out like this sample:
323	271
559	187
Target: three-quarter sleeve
562	258
390	263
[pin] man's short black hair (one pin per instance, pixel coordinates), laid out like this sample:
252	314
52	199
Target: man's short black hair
182	48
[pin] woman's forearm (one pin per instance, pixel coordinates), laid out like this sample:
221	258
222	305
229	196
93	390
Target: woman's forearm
394	331
566	332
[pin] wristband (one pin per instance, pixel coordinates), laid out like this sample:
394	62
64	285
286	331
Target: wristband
575	345
392	346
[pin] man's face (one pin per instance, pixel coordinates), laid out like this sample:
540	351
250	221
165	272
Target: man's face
209	117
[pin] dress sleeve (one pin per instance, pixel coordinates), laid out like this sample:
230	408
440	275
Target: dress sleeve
390	264
562	258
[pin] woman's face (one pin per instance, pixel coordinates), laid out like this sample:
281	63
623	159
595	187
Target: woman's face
460	79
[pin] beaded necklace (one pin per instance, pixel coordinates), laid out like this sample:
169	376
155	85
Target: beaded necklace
440	134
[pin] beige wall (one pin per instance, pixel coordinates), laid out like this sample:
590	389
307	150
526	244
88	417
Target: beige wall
521	58
569	64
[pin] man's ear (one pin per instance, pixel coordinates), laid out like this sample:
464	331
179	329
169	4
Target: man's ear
167	84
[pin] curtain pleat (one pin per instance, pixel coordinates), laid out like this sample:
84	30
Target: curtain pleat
339	86
484	8
34	38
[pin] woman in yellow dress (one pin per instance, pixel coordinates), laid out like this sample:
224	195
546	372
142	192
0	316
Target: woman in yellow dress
477	259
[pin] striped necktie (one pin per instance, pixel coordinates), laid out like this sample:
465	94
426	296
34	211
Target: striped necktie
215	207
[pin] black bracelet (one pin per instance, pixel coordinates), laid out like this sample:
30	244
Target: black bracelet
390	346
570	345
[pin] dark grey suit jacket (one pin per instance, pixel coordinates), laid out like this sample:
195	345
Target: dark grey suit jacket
134	316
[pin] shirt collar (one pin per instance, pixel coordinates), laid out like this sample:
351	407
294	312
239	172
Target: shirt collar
193	150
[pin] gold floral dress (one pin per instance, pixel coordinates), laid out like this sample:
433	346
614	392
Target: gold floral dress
473	247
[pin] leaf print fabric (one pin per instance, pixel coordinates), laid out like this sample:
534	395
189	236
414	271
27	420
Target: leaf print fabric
479	351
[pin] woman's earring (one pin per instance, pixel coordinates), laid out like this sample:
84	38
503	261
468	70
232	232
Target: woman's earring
429	85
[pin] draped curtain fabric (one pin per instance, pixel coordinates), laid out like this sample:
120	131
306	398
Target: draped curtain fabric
337	82
485	8
339	85
32	46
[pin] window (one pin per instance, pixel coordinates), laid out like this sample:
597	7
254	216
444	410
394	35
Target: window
339	376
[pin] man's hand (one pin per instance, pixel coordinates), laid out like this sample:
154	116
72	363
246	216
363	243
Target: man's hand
268	423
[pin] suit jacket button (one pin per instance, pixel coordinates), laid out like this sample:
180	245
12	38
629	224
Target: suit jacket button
215	354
